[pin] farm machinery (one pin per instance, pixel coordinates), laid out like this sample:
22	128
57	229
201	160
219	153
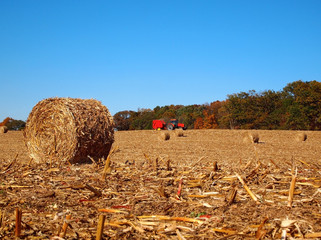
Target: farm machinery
171	125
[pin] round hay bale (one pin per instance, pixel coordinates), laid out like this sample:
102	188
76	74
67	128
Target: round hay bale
247	139
251	137
164	136
3	129
301	137
254	137
179	133
69	129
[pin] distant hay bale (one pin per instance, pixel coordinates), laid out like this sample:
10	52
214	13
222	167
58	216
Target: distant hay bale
246	139
164	135
301	137
252	137
3	129
179	133
69	129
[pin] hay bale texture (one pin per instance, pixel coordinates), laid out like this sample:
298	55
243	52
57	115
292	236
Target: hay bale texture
164	136
251	137
254	137
301	137
3	129
69	129
179	133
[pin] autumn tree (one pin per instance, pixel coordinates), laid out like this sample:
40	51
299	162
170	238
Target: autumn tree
298	106
199	123
270	110
209	120
239	110
5	121
14	124
142	119
252	110
122	120
303	105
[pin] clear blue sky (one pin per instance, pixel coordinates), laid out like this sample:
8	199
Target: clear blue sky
142	54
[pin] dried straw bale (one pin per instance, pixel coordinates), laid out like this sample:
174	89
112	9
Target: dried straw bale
164	135
301	137
254	137
179	133
251	137
69	129
3	129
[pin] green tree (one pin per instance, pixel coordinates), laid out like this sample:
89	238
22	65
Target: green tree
143	119
302	101
14	124
252	110
298	106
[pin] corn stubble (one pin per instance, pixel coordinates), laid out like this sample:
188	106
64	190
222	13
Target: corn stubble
204	186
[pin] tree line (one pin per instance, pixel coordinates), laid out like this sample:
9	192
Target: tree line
296	107
13	124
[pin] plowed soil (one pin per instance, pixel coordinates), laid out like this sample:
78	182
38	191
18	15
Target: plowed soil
207	184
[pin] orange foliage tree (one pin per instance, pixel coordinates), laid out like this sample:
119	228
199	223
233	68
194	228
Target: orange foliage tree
5	121
199	123
209	120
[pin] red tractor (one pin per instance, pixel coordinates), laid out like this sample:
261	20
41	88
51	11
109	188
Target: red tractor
171	125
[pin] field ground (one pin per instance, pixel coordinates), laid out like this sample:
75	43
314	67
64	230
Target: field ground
169	189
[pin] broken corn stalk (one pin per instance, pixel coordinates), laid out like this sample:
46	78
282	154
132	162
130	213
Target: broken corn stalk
108	210
159	217
252	195
184	219
100	227
148	159
291	191
198	196
179	191
313	235
18	222
179	235
64	227
227	231
107	168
